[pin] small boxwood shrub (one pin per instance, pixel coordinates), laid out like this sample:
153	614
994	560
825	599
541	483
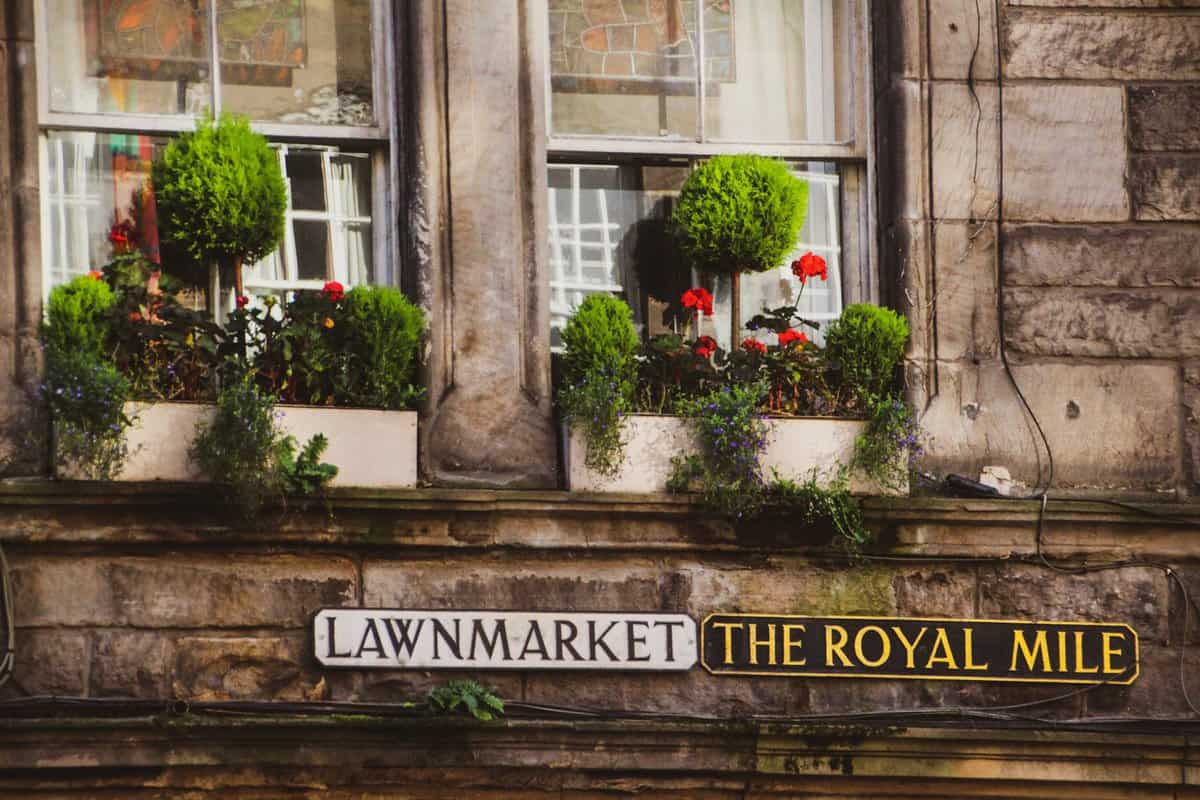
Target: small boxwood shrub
867	343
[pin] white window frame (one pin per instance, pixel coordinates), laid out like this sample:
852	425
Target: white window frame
379	139
853	155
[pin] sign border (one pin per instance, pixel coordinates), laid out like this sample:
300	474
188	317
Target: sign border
1137	655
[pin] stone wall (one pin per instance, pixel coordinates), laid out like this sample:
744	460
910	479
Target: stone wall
1053	152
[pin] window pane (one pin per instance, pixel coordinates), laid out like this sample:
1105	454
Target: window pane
608	233
623	67
306	180
312	250
145	56
772	67
92	181
302	61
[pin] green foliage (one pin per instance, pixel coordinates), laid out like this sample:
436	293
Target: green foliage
889	447
464	695
220	193
244	451
77	317
86	398
815	504
733	437
599	377
382	345
739	213
867	343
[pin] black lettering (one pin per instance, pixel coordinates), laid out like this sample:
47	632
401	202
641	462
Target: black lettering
439	630
329	653
397	630
499	636
561	642
670	637
595	641
534	631
374	634
634	641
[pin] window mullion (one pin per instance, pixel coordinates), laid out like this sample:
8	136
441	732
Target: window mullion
214	63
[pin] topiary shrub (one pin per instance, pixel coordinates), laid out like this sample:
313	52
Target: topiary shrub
220	195
599	367
867	343
739	213
77	317
383	330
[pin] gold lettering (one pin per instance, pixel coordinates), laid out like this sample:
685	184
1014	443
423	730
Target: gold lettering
885	646
789	643
832	647
942	641
729	627
1110	652
1021	647
1062	651
968	651
755	643
1079	666
909	647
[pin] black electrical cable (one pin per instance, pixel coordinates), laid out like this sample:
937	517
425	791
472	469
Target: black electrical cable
8	652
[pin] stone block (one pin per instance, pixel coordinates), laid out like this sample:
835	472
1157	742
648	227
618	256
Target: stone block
898	42
793	586
966	151
1156	692
213	592
607	584
50	662
1133	255
1064	154
1105	323
1107	3
1137	596
1088	46
904	168
962	36
965	302
935	591
1112	426
1165	187
411	686
250	668
131	664
1164	117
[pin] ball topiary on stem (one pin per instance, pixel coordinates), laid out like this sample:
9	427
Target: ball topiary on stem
739	214
220	195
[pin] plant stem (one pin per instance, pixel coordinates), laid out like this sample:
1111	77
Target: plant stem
735	309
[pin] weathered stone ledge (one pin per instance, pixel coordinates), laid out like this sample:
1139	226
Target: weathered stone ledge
363	752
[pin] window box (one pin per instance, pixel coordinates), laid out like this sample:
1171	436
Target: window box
796	447
371	448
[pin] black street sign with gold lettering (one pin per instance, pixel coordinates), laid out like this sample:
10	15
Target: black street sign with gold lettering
940	649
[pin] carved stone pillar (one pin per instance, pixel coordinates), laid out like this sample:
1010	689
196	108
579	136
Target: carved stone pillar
477	215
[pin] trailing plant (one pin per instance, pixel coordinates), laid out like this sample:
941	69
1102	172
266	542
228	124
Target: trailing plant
822	502
887	451
866	343
243	450
465	695
220	195
84	393
733	436
599	367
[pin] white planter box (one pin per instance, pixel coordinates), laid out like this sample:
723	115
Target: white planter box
371	448
795	447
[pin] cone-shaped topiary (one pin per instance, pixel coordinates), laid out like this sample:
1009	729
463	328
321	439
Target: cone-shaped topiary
739	214
220	195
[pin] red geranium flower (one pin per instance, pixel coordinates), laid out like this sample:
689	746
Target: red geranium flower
242	301
96	275
753	346
705	346
700	299
810	266
334	291
792	335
